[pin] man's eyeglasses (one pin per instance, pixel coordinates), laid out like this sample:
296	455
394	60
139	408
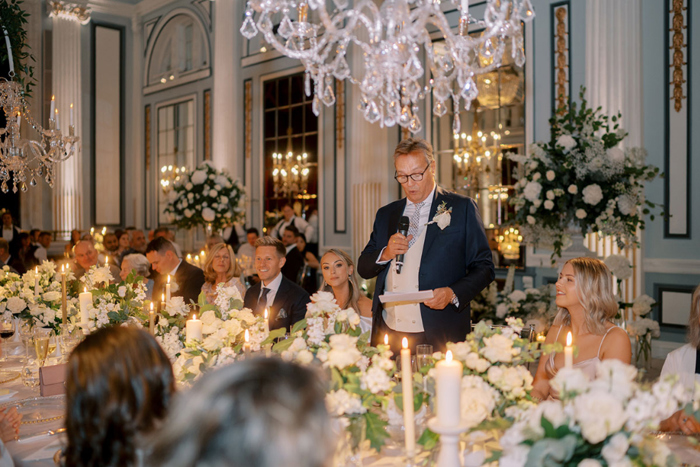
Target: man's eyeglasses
415	177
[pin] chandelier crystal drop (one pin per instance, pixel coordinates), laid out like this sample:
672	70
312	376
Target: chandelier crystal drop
401	41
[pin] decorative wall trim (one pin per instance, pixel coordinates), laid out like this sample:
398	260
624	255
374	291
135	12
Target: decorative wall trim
248	121
207	125
560	13
668	296
677	183
204	7
148	29
672	266
340	113
147	136
340	173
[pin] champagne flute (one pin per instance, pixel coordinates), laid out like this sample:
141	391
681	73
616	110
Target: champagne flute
41	344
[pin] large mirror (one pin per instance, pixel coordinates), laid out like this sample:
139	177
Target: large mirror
473	161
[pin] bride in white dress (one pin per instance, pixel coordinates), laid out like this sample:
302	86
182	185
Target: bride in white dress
339	277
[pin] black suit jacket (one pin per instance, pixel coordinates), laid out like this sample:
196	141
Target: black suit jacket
294	263
16	265
457	257
289	305
189	280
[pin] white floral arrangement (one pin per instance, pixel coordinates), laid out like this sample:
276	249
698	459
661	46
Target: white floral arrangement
581	178
170	326
206	196
114	304
601	422
35	296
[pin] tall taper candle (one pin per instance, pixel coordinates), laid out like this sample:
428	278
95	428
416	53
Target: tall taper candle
162	303
407	389
266	315
448	390
36	282
167	289
568	352
246	344
64	297
152	320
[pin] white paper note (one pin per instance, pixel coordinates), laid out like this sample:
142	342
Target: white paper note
406	297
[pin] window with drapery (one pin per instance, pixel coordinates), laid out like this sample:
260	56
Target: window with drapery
290	148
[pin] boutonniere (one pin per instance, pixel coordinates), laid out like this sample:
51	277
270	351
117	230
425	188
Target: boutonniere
174	287
443	216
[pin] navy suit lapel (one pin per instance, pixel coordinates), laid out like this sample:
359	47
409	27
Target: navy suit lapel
432	229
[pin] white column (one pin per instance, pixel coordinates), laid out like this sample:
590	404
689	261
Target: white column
67	87
614	82
228	91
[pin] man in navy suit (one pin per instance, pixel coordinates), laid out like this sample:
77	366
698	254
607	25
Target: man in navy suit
286	302
445	251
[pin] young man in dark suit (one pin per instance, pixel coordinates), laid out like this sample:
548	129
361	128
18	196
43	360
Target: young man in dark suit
294	260
445	251
186	280
286	302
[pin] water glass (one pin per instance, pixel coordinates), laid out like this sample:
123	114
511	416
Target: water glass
424	355
30	373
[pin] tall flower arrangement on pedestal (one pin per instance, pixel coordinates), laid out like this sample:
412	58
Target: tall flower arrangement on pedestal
582	179
206	196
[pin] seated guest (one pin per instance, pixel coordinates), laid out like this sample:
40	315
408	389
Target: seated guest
6	259
40	251
45	240
295	261
119	384
26	251
684	362
122	244
220	268
167	234
262	412
10	232
139	265
307	276
111	245
586	301
86	257
285	300
186	280
74	239
339	277
291	219
248	248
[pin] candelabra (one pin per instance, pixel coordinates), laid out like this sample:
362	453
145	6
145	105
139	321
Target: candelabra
392	39
291	174
169	175
25	159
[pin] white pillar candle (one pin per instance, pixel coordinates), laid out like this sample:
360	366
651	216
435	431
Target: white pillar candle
568	352
36	282
407	389
193	329
448	382
85	299
167	289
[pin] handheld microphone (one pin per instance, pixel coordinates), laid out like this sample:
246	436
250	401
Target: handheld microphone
404	224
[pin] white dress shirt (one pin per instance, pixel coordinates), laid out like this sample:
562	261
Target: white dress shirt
681	362
273	286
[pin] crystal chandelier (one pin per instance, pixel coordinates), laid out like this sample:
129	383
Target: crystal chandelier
169	175
393	39
22	161
290	175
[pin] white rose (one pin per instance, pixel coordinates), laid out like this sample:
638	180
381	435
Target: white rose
52	296
478	400
616	155
599	414
212	343
501	310
224	200
581	214
569	380
573	189
121	291
460	350
517	296
536	176
626	204
208	214
620	266
590	463
530	220
642	305
16	305
592	194
304	357
532	191
550	194
198	177
172	196
616	448
213	193
566	141
549	205
188	186
498	348
550	175
188	213
190	196
477	364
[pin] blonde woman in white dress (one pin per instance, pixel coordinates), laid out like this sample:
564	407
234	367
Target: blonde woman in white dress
339	278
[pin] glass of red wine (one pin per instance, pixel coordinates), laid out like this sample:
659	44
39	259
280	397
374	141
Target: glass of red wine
7	330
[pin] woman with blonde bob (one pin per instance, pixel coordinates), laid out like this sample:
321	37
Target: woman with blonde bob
221	268
340	279
586	301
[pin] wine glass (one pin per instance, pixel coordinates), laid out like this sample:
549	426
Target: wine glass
41	344
424	353
7	330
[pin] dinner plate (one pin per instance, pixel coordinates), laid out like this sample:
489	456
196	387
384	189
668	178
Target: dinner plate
8	375
7	396
39	409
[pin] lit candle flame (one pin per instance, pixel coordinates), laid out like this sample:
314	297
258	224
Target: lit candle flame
194	317
85	290
151	307
266	313
168	281
448	356
568	339
106	260
162	297
386	339
36	270
404	343
247	336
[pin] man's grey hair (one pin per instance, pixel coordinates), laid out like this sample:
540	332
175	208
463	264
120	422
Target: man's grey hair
262	412
413	145
139	264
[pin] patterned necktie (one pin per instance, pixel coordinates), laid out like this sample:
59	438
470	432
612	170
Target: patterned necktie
262	302
414	225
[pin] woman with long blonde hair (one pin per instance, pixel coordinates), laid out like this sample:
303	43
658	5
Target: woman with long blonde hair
586	301
221	268
339	277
